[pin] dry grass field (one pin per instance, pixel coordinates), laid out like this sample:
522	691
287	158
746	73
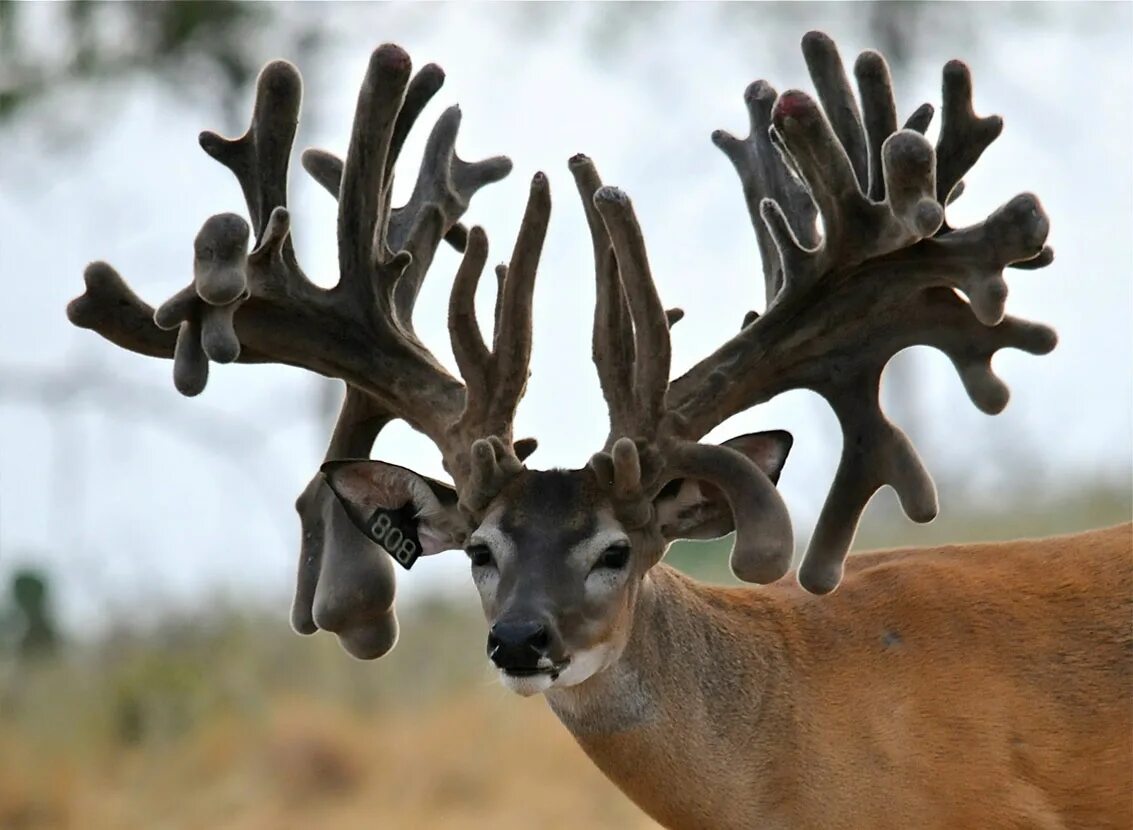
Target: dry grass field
288	733
478	760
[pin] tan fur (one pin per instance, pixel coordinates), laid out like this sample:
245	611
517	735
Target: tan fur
970	686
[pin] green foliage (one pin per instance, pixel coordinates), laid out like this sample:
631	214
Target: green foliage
30	621
203	44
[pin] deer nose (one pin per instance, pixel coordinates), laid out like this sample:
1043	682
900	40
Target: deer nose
518	645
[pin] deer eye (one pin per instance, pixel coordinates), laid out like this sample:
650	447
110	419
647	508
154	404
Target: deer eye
480	556
614	558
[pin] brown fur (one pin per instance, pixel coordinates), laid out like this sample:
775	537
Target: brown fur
970	686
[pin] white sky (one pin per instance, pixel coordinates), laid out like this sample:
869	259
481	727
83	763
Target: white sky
134	514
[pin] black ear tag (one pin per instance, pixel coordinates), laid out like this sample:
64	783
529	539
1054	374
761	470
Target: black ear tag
396	532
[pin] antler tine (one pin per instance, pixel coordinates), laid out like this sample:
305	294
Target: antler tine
363	200
856	229
963	135
109	307
444	180
919	121
761	168
876	90
875	452
259	158
613	348
513	339
884	277
472	356
829	77
426	83
449	182
326	168
650	324
479	452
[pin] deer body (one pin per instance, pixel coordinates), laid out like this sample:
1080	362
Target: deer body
922	693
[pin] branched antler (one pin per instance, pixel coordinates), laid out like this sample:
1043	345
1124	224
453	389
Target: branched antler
648	443
884	276
886	273
258	306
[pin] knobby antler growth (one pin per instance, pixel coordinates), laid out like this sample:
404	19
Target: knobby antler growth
887	272
258	306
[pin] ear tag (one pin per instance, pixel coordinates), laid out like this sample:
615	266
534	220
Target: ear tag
396	532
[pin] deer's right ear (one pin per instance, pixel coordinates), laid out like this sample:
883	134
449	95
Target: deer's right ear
407	514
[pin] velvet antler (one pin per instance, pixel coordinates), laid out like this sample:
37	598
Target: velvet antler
257	306
887	272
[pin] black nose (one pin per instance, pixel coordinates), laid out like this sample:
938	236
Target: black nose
518	645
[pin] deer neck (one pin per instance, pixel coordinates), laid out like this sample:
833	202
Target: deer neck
700	696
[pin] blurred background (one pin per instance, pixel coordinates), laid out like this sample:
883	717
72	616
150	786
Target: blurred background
148	678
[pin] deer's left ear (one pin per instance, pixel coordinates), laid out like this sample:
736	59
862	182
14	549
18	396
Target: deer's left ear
407	514
691	509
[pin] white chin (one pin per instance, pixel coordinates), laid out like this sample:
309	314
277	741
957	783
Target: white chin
584	665
526	685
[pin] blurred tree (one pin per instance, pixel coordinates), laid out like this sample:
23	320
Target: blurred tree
204	45
37	637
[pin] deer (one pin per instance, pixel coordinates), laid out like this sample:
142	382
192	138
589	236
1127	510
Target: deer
983	685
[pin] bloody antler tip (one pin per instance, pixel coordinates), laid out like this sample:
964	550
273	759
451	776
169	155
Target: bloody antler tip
794	103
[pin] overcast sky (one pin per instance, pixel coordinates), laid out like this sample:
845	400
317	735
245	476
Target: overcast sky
137	497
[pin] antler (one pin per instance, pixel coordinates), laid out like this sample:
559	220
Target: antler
885	274
258	306
648	444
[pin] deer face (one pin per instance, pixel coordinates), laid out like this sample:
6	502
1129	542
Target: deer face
558	572
558	577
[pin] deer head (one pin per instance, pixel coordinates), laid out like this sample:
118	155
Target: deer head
560	557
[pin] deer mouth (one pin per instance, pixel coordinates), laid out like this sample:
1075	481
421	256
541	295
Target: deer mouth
546	667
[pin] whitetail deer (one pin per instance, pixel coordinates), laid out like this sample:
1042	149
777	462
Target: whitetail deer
978	686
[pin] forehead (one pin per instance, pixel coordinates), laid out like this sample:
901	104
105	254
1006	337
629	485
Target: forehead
556	508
